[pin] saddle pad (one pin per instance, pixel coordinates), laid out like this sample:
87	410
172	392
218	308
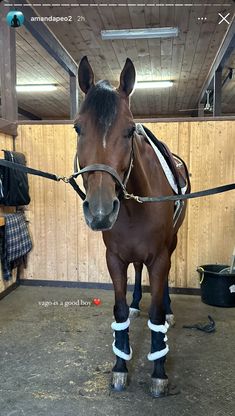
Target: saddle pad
168	173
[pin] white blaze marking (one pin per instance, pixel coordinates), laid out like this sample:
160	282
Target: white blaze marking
104	141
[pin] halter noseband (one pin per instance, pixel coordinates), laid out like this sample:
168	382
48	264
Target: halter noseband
99	167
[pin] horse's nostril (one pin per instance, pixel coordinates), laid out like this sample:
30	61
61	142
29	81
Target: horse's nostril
86	205
86	210
116	205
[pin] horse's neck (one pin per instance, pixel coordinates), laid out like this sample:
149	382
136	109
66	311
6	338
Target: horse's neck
144	167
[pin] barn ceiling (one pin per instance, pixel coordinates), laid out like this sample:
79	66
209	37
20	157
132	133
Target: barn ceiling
35	66
186	59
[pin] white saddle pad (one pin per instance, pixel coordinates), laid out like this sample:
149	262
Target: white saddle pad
168	173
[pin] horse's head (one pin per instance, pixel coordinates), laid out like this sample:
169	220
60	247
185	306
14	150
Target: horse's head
105	127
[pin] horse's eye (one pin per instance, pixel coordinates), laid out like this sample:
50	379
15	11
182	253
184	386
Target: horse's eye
131	132
77	129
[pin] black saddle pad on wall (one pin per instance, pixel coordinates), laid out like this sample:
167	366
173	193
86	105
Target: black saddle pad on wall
14	186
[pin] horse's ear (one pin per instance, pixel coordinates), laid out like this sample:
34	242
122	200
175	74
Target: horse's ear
127	78
85	75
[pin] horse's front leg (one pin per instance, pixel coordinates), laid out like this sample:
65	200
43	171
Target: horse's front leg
121	347
157	323
137	294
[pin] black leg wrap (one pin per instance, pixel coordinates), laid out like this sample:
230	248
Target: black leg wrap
122	340
137	295
157	341
135	304
119	375
158	344
121	346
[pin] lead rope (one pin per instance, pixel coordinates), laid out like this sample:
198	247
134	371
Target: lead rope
114	174
199	194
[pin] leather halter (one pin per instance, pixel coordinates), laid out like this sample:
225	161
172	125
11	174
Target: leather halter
99	167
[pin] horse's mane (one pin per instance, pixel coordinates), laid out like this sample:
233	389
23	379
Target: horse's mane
102	102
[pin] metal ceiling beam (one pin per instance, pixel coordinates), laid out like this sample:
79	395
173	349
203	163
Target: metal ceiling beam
74	96
46	38
217	92
226	48
26	113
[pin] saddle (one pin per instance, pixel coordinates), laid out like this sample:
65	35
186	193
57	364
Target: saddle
175	163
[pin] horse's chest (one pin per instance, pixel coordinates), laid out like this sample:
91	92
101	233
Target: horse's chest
145	220
135	240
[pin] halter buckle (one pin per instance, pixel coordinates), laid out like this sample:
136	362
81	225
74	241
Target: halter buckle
63	178
132	196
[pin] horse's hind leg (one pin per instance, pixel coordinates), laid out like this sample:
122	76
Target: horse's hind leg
137	294
167	305
167	301
157	324
121	347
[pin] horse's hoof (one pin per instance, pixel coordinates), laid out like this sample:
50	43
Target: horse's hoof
170	319
119	381
159	387
134	313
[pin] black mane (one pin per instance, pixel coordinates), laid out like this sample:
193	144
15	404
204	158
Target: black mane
102	102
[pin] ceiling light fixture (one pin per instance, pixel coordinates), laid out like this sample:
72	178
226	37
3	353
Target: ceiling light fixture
158	32
153	84
36	88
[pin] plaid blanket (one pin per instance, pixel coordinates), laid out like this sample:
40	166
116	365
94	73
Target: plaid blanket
17	241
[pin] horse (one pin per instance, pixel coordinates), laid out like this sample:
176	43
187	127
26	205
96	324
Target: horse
116	156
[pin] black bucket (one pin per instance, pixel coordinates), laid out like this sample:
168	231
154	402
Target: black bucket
217	285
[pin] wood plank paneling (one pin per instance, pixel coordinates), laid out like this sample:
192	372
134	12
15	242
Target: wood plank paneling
64	247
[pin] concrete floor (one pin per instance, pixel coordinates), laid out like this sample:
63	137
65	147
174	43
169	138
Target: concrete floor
56	360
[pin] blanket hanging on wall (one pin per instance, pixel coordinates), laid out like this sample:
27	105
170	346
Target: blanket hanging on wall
17	243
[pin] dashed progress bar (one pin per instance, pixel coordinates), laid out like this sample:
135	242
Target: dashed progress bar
117	5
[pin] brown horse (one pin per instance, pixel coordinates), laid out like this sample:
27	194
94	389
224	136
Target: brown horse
132	232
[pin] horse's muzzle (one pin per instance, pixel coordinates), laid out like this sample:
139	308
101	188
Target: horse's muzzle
101	218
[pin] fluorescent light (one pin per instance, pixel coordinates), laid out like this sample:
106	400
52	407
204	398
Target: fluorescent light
36	88
158	32
153	84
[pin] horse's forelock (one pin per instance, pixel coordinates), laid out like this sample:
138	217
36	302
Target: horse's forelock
102	104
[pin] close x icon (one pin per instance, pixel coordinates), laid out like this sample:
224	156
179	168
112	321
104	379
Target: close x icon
224	18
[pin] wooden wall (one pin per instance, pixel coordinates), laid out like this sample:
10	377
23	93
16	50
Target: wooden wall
6	143
64	247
